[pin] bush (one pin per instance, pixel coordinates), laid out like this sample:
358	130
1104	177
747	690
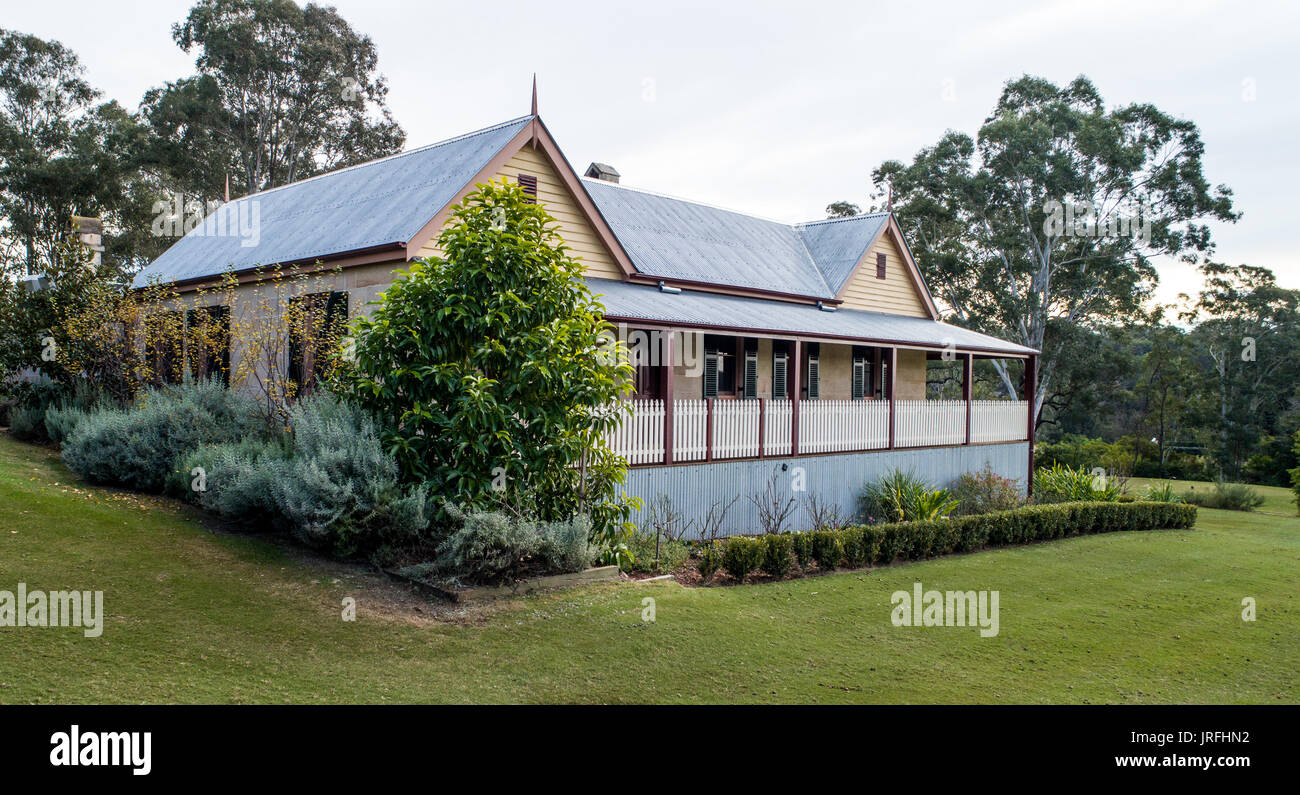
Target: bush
710	560
803	549
883	544
672	553
778	554
903	497
489	547
1226	496
1162	492
742	554
826	548
1064	484
27	424
985	491
328	482
61	421
340	489
138	447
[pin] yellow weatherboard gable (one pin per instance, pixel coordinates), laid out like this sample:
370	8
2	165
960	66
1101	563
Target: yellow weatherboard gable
554	197
895	294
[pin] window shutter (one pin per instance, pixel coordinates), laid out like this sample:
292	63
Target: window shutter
859	377
529	184
751	374
880	265
780	390
814	387
711	374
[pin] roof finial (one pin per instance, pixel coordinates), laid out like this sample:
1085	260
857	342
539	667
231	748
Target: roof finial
534	93
227	187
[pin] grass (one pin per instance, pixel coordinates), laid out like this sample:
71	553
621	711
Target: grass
198	616
1277	500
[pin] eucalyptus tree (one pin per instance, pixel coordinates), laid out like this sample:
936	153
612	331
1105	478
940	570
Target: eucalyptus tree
1049	220
282	92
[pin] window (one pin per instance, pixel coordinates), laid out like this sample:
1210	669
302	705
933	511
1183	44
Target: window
529	184
719	366
880	265
861	368
165	347
814	371
751	369
648	382
317	322
780	367
208	343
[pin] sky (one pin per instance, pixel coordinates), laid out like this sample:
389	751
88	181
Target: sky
778	109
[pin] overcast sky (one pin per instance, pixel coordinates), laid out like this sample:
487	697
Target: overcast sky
778	109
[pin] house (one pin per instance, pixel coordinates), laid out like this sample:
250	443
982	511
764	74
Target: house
763	350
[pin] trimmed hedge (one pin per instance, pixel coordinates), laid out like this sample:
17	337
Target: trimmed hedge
859	546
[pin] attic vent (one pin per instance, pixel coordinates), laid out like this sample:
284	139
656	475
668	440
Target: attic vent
602	171
529	184
880	265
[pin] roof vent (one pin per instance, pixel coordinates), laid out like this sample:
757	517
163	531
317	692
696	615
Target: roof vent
603	171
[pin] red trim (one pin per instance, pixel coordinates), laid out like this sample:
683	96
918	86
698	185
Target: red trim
794	401
890	362
708	430
1030	390
726	289
667	356
762	424
967	379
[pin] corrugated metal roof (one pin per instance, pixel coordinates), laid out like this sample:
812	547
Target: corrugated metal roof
839	245
678	239
385	201
674	238
704	310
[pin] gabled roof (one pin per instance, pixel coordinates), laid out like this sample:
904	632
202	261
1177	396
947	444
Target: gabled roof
635	303
385	202
681	240
838	245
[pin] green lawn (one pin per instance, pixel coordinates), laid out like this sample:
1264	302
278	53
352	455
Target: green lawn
1276	500
198	616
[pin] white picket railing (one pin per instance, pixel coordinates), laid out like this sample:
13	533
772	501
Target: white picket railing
777	427
640	437
735	428
832	426
999	420
825	426
921	423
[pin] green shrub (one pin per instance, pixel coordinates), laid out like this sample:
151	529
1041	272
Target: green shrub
803	550
1063	484
1226	496
1162	492
340	489
742	554
489	547
827	549
903	497
138	447
235	480
61	421
985	491
710	560
778	554
883	544
27	423
672	554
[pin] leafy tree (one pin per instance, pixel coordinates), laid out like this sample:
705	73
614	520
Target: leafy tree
842	209
1248	340
282	92
993	226
60	154
1167	379
488	370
